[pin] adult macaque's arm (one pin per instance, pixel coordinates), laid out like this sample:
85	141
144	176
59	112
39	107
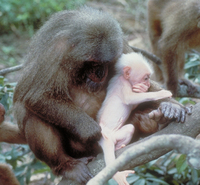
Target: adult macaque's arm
10	133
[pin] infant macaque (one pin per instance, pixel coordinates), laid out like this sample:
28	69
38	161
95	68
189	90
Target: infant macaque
126	90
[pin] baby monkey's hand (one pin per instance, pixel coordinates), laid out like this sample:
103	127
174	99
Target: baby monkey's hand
140	88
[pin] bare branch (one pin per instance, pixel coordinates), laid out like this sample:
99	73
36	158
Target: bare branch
190	128
195	51
11	69
183	144
150	56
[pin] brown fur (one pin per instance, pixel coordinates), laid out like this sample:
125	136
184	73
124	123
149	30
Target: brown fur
11	134
174	27
64	78
6	176
67	69
2	113
8	133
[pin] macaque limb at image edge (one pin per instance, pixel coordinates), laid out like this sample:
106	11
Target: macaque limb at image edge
126	90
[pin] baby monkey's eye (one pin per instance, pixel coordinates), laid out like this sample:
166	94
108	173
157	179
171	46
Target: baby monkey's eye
147	77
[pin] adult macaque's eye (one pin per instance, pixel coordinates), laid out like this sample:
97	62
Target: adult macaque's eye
98	72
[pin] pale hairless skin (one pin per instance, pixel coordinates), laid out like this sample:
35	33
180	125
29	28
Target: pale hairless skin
124	93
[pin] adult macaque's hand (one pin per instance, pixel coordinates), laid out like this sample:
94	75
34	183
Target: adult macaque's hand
171	110
168	111
157	115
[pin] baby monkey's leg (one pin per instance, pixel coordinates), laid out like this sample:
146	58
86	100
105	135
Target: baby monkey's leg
123	136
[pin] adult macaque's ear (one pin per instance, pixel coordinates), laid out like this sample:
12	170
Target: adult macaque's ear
126	71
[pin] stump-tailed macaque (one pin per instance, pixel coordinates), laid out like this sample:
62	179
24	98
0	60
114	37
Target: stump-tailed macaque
9	133
126	90
63	84
6	176
6	135
174	27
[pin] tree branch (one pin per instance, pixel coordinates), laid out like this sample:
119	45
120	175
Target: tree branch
190	128
150	56
11	69
183	144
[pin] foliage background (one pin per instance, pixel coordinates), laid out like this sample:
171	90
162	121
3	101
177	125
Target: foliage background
18	22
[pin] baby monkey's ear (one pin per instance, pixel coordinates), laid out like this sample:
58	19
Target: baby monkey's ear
126	71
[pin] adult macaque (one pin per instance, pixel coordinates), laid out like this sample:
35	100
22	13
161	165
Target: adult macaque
6	174
9	133
126	90
174	27
63	84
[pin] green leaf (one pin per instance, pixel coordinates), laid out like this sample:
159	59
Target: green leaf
149	175
181	164
2	159
157	180
151	163
28	176
132	178
152	183
21	180
175	182
191	64
194	176
11	85
7	49
2	80
20	170
38	165
161	172
186	100
172	171
140	182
